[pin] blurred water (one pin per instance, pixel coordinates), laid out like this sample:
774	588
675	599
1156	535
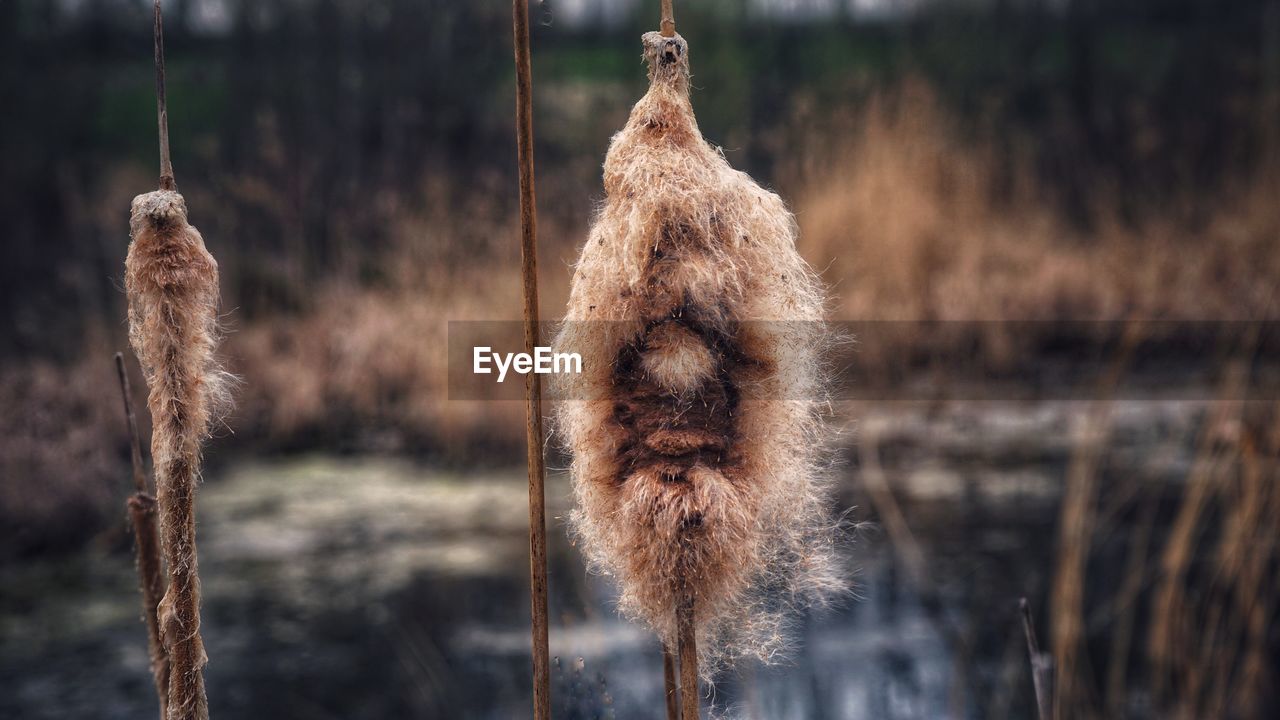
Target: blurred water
376	588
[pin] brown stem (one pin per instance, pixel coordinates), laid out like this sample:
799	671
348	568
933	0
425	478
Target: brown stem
142	515
1040	670
167	181
688	648
533	381
670	690
135	445
668	19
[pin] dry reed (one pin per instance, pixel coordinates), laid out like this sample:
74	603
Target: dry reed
1208	634
898	205
533	383
172	283
142	515
1072	696
670	691
172	286
694	426
1041	670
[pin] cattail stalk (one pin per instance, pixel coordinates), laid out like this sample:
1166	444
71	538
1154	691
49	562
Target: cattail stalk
669	688
686	632
172	285
167	181
533	381
142	515
685	626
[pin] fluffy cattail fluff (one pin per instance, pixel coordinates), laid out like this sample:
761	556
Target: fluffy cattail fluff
694	427
172	284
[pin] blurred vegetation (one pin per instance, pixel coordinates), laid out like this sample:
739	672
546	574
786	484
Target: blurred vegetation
304	129
351	167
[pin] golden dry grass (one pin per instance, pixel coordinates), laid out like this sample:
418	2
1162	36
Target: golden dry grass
901	215
895	209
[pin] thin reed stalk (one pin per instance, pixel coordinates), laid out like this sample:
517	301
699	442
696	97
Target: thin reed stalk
167	181
1041	667
670	690
910	555
1073	694
533	382
1135	578
1071	691
1172	627
146	540
686	630
668	23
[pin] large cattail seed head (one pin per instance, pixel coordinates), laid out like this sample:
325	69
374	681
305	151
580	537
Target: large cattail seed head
694	426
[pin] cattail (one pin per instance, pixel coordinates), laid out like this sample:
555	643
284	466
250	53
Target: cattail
694	426
172	284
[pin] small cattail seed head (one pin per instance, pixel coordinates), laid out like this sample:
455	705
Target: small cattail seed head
172	286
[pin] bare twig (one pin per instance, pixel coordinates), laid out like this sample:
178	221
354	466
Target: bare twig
1125	609
1041	666
668	19
142	515
1171	626
688	648
908	553
533	381
167	181
135	445
670	690
1076	526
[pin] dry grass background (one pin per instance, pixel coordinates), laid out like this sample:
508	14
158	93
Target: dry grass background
898	211
906	221
906	217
